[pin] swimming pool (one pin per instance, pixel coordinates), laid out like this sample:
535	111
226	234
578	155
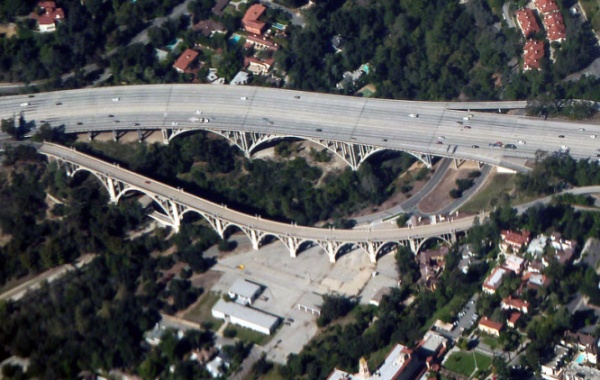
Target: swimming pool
580	358
235	39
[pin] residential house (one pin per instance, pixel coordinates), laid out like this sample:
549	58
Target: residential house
220	7
49	17
576	371
584	343
533	52
514	263
527	22
240	78
209	27
546	6
378	296
515	304
513	319
203	355
185	60
258	67
494	280
514	240
261	42
251	22
490	327
553	370
555	27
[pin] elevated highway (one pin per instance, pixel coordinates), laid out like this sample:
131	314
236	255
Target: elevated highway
354	128
175	203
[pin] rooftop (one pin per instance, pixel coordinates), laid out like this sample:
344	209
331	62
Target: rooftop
545	6
244	288
396	361
527	22
245	313
185	59
485	321
494	280
513	263
533	52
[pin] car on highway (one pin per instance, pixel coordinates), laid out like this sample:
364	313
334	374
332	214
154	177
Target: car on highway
459	122
111	115
206	120
592	136
59	103
31	96
198	112
147	182
467	127
79	123
194	119
24	104
441	137
522	142
466	118
174	124
439	142
510	146
136	124
413	115
297	97
244	98
475	146
319	130
498	143
116	121
581	129
384	140
116	99
561	136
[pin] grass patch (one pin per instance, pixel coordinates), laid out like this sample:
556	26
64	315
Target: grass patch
451	308
201	312
376	358
273	374
463	363
492	191
490	341
248	335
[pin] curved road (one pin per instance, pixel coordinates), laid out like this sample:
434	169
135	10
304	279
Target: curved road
373	122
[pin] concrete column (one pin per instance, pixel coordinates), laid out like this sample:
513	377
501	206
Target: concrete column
91	136
331	252
140	135
372	251
255	240
175	215
413	245
165	135
115	135
110	186
292	246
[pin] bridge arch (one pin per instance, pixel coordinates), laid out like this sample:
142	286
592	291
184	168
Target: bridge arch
130	188
443	238
386	248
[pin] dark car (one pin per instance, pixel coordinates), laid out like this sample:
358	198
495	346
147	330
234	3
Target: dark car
475	146
561	136
319	130
59	103
111	115
510	146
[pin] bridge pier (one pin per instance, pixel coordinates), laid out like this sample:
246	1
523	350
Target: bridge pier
458	162
92	135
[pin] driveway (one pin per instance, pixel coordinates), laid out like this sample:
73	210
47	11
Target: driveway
507	16
296	16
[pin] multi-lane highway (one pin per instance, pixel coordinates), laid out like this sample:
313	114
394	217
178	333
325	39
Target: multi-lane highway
441	128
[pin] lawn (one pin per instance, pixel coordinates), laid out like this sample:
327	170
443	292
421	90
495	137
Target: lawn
490	341
248	335
491	192
463	363
201	312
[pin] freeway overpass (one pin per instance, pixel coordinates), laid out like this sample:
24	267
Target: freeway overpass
175	203
353	128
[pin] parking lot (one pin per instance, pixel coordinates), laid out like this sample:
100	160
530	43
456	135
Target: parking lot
466	319
288	281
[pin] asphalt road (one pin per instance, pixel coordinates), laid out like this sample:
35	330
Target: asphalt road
320	117
240	219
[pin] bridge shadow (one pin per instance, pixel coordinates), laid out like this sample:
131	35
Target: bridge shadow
305	246
345	249
387	248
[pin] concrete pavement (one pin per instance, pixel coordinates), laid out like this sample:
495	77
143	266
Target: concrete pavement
322	118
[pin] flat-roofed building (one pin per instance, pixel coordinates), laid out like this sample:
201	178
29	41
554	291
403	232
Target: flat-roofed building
244	292
494	280
245	316
514	263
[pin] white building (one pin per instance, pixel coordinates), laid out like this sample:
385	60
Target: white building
245	316
244	292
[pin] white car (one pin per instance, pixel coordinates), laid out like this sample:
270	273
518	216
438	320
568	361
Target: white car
522	142
205	120
442	137
466	118
244	98
592	136
581	129
194	119
116	99
174	123
198	112
413	115
24	104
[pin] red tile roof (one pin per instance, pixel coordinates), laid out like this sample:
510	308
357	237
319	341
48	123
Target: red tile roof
250	19
46	4
514	317
515	303
527	22
185	59
545	6
555	26
485	321
533	52
512	237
